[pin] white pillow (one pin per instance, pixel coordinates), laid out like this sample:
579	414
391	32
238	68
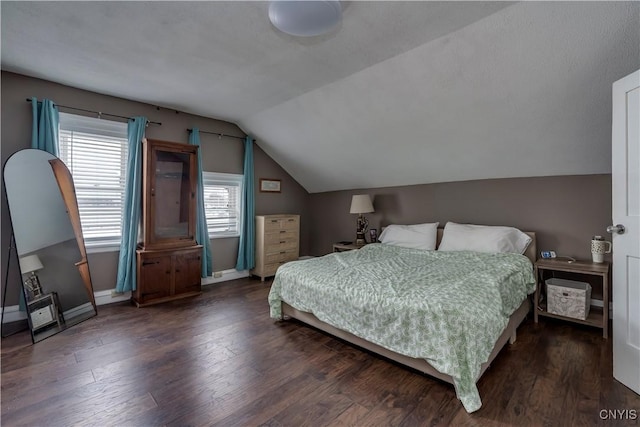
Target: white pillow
418	236
483	238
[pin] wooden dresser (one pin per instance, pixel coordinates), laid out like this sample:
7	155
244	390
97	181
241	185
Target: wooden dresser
277	242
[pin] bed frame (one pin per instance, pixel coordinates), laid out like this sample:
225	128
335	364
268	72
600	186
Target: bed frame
509	334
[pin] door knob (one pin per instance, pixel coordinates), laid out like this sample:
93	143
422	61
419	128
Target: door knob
616	229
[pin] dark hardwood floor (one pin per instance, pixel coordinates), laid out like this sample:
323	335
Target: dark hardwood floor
218	359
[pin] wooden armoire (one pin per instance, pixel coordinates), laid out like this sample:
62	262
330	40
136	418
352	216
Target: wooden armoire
168	258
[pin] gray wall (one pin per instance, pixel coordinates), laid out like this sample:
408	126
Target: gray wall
218	155
564	211
36	199
61	275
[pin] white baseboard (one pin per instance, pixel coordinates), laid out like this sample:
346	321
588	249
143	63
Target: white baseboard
111	296
13	313
78	311
226	275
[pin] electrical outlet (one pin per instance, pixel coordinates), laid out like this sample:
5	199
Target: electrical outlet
217	274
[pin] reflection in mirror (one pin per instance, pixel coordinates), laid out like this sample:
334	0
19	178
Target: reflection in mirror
49	244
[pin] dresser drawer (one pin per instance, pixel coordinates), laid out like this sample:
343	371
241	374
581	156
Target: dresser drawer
286	223
284	255
285	245
280	237
270	269
290	255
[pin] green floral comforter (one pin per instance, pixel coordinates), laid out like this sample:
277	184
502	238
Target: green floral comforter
446	307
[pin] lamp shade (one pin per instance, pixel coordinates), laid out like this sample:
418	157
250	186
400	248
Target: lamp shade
30	263
306	18
361	203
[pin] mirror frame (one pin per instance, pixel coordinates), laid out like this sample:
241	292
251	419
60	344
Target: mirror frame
68	192
65	184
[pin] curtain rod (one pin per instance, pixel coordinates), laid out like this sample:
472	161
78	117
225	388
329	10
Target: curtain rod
220	135
99	113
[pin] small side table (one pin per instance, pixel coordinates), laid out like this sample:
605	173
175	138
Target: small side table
343	247
598	318
44	310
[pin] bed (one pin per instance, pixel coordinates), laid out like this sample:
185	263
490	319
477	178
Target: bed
444	313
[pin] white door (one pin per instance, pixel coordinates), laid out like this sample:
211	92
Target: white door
626	236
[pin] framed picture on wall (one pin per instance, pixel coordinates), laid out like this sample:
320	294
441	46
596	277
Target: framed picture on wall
269	185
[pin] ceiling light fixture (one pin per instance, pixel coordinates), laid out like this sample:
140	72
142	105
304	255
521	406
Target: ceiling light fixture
305	18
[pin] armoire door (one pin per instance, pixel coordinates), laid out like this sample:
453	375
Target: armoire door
188	266
155	278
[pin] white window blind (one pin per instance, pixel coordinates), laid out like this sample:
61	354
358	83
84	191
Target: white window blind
95	151
223	203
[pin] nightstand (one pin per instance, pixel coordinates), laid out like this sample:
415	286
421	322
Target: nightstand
44	310
598	317
343	247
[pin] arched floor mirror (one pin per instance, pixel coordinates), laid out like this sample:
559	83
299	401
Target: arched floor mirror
56	282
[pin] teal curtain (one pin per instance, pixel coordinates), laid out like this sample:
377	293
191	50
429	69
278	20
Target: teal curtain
202	233
126	280
44	127
246	250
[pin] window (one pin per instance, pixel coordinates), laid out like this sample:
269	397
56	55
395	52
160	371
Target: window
223	203
95	151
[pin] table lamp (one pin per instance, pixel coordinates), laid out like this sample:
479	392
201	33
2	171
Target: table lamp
30	264
360	204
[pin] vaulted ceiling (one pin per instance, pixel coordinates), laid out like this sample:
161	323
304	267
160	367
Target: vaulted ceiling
400	93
